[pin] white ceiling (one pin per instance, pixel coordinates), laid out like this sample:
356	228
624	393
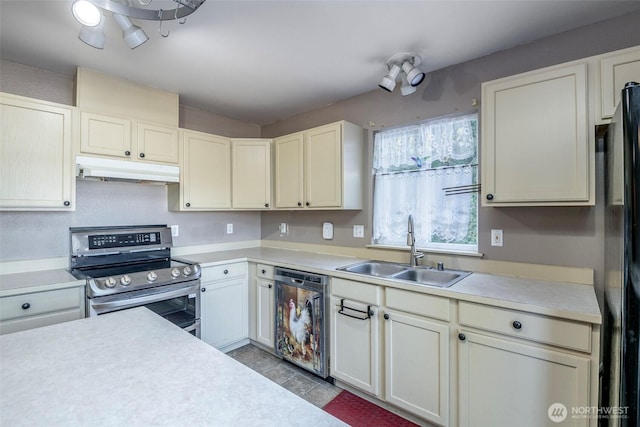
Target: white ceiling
263	61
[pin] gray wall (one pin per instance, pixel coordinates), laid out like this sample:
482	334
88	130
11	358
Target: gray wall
27	235
571	236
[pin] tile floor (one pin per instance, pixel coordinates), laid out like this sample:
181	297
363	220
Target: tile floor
297	380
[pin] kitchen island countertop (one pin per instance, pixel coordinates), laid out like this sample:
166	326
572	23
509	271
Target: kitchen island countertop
134	368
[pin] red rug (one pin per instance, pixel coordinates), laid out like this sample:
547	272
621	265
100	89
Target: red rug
358	412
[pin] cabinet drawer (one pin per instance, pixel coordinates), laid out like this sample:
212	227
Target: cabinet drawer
225	271
264	271
27	305
535	327
356	290
417	303
22	324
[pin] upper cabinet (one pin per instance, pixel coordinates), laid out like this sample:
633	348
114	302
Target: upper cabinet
616	69
205	173
127	138
251	173
320	168
36	171
538	143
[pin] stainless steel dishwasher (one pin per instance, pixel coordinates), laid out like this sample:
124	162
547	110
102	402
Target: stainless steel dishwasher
301	324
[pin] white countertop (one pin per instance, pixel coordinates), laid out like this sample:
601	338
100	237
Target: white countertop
567	300
134	368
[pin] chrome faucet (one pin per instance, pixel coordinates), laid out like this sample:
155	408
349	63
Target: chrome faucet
411	241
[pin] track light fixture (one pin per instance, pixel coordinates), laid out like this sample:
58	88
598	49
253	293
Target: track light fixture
90	14
411	76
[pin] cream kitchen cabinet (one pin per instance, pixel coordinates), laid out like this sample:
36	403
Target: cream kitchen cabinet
37	172
320	168
355	335
224	302
416	354
530	363
616	69
126	138
205	173
538	143
265	305
36	309
251	173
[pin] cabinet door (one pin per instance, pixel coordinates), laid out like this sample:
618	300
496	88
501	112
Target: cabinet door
251	174
157	143
323	166
224	312
503	382
105	135
35	155
417	365
265	314
289	174
206	171
617	69
355	346
536	138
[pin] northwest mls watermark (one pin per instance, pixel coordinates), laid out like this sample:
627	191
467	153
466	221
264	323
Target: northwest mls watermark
557	412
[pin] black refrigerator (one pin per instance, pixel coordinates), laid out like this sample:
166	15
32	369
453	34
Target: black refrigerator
621	329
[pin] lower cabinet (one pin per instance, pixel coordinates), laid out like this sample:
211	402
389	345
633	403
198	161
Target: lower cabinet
417	365
224	306
504	383
33	310
265	316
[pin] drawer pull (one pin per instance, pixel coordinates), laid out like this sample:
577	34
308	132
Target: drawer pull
517	325
203	289
26	306
270	286
226	272
264	271
367	314
462	337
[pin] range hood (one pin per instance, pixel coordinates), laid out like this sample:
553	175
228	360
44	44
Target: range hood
125	170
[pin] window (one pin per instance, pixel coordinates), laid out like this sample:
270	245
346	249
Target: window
430	171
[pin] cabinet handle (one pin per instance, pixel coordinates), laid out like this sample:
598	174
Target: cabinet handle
203	290
462	337
299	204
489	196
386	316
188	204
266	205
517	325
142	155
67	203
270	286
226	272
127	153
308	204
367	313
264	271
26	306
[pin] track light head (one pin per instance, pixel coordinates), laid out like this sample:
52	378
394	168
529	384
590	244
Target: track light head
406	88
388	82
415	75
93	36
133	35
86	13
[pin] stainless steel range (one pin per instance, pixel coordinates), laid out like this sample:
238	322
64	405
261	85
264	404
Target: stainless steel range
132	266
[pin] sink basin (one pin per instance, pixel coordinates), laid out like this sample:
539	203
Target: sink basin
375	268
428	276
402	272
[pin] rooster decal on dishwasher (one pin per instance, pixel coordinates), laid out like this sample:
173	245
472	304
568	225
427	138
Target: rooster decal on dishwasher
300	323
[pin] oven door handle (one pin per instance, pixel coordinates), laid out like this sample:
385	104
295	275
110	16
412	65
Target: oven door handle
134	302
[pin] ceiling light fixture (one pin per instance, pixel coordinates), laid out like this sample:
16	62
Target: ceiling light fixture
89	14
411	75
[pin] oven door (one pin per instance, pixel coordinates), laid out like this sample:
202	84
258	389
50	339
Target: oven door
178	303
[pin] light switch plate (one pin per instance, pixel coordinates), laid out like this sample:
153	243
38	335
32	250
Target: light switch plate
175	231
283	228
327	230
229	228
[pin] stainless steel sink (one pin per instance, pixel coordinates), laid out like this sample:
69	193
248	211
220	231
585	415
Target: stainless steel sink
405	273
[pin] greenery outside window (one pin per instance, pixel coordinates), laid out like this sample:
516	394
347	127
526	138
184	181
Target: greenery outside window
430	171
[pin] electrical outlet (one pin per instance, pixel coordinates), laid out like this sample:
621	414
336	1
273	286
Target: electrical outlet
358	231
175	232
283	228
229	228
496	237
